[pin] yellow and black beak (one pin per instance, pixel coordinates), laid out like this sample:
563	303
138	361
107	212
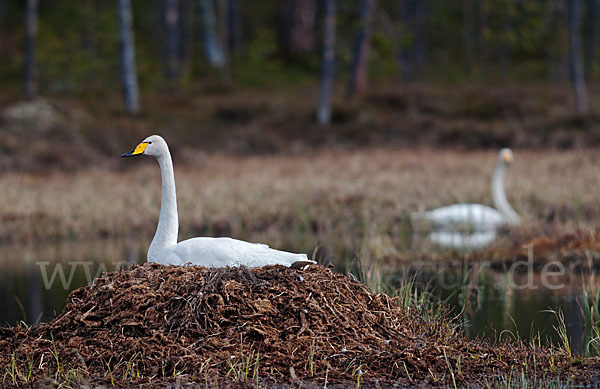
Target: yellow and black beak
507	157
139	149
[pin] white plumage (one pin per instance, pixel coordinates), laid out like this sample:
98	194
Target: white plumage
479	216
204	251
459	240
221	252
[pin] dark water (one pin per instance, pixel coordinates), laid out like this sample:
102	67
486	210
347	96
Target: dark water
499	305
35	283
36	280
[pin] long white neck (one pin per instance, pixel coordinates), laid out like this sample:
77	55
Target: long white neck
168	223
499	195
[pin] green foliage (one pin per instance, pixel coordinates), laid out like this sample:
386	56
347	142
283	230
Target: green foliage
260	65
78	43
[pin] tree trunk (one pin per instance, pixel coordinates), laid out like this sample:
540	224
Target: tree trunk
212	46
297	31
504	43
88	34
422	15
223	16
592	32
362	44
407	18
2	2
478	19
234	19
185	41
172	39
575	60
468	31
557	60
129	73
324	109
31	28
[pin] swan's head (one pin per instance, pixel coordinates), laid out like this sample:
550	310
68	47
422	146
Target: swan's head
506	156
153	145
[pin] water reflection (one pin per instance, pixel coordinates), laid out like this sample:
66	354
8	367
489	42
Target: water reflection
36	280
463	240
500	304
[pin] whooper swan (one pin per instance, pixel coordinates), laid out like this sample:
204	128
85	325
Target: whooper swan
479	216
203	251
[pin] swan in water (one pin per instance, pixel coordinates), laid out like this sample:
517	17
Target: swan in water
203	251
479	216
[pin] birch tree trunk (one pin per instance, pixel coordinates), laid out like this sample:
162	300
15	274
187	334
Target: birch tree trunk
324	109
128	70
172	44
359	77
575	57
31	28
212	46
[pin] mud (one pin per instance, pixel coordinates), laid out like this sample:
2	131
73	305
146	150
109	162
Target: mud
237	326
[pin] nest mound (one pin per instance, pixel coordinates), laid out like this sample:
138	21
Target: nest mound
156	323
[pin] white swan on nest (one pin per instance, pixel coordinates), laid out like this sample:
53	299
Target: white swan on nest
479	216
204	251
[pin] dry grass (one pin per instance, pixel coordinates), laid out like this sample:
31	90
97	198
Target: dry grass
345	202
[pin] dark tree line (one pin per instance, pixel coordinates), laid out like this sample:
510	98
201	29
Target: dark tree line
297	29
490	34
31	29
414	15
591	33
1	18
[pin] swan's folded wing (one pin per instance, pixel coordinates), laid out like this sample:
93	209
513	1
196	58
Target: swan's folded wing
221	252
475	214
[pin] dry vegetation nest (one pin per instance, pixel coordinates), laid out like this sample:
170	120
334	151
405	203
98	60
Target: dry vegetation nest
153	323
